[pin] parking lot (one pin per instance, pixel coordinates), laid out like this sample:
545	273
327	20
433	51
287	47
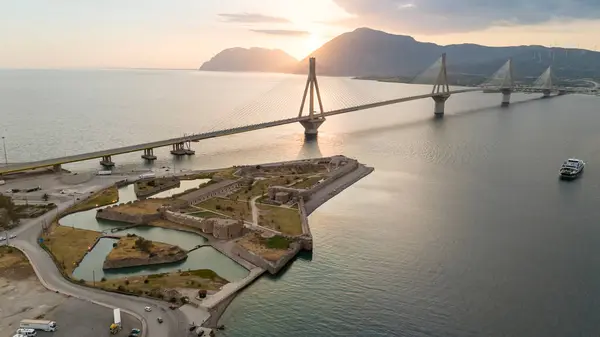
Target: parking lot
80	318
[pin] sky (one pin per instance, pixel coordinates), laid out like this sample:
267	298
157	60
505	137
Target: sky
181	34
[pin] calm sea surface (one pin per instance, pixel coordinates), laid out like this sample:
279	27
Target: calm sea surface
463	229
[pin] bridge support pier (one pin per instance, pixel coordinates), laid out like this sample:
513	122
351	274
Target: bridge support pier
505	97
149	154
107	161
546	93
178	149
311	126
57	168
440	104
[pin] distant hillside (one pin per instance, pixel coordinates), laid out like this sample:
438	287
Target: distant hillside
368	52
365	52
253	59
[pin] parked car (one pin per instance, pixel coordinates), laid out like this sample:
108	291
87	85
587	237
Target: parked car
148	309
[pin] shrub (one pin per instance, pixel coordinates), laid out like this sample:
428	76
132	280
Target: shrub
121	288
229	209
218	207
202	293
81	281
173	300
103	279
114	244
146	281
127	282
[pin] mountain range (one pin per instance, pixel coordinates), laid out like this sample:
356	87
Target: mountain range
365	52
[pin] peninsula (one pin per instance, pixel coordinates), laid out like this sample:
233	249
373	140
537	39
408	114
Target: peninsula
256	215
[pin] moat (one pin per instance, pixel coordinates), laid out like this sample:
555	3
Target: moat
165	236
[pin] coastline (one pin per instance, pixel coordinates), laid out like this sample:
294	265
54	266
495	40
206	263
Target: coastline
343	173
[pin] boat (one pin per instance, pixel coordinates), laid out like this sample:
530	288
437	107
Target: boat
571	169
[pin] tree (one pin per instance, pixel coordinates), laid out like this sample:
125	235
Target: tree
9	215
45	197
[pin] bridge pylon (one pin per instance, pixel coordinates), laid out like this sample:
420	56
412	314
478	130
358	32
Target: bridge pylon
441	89
311	90
545	83
508	83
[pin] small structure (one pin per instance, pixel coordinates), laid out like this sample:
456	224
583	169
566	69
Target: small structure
282	197
227	229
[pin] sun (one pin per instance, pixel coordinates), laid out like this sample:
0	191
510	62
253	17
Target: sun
313	42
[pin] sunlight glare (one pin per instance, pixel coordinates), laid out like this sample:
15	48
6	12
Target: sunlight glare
313	42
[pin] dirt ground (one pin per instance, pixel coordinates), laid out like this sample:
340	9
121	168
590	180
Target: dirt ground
23	296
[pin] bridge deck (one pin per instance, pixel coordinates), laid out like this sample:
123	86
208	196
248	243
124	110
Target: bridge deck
206	135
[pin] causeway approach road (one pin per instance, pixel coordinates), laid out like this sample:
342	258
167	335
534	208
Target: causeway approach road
175	322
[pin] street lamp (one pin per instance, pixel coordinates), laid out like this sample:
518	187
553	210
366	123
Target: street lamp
5	156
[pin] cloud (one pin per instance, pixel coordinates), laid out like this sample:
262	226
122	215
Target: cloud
451	16
252	18
281	32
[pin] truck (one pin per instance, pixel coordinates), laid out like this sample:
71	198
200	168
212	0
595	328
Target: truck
147	175
38	324
116	326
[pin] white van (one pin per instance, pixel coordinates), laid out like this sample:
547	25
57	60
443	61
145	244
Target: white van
26	332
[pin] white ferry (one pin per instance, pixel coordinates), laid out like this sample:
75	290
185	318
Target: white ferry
571	169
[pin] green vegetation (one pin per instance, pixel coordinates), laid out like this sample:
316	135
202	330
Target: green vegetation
138	247
307	182
231	208
9	217
284	220
228	173
102	198
260	187
206	214
277	242
32	211
203	273
143	185
153	285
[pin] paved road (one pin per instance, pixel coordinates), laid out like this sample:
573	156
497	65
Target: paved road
175	323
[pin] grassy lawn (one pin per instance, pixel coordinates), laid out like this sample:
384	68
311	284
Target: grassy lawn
146	206
293	170
102	198
258	245
234	209
128	247
206	214
69	245
227	173
260	186
284	220
277	242
307	182
194	279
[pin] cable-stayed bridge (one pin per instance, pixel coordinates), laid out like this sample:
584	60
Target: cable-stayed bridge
313	112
